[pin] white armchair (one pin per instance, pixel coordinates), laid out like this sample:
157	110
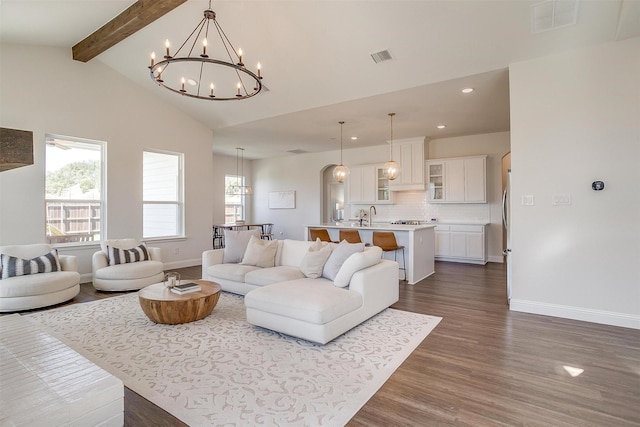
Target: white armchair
31	291
125	276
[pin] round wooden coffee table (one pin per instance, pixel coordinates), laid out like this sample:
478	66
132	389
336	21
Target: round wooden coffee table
163	306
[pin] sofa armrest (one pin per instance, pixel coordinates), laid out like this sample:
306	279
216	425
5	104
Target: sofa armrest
155	254
98	261
379	285
68	262
209	258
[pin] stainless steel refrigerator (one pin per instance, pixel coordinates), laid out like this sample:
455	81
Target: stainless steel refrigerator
506	218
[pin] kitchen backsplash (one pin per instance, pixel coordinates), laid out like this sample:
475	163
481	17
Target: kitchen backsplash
413	205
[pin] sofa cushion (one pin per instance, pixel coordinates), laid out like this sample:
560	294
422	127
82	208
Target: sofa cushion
268	276
118	256
293	251
338	256
14	266
315	258
261	253
130	271
118	243
234	272
310	300
358	261
38	284
235	244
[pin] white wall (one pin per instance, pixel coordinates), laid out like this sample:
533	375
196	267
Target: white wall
575	118
303	174
45	91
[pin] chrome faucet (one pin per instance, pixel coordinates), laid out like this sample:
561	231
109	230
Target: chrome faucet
371	215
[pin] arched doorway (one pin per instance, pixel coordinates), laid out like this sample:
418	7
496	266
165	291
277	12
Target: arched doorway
332	197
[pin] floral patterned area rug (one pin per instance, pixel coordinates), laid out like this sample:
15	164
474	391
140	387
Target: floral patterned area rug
223	371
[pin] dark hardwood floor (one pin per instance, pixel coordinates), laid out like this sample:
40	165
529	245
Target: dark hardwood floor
484	365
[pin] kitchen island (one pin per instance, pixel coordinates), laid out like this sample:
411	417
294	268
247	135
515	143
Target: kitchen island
418	242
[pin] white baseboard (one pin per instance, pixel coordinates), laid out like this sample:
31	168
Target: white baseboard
496	258
182	263
577	313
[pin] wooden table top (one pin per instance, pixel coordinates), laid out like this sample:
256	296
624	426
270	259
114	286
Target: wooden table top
158	291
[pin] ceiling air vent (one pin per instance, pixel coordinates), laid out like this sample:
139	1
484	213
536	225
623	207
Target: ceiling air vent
297	151
381	56
553	14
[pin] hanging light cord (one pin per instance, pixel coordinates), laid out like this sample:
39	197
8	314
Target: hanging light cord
391	142
341	123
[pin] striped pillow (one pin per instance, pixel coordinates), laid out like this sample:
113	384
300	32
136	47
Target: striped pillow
12	266
122	256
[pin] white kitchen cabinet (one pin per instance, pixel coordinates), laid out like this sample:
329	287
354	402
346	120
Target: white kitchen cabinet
475	179
409	153
367	184
457	180
443	241
461	243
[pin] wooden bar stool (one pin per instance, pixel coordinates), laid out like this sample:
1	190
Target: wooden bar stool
320	233
386	240
351	236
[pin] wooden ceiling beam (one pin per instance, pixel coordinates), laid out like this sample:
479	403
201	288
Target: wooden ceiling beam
134	18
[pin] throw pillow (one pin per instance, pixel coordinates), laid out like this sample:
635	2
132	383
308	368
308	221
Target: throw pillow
12	266
235	244
122	256
261	253
315	258
358	261
339	255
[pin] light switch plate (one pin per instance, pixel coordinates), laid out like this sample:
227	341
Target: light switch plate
561	199
528	200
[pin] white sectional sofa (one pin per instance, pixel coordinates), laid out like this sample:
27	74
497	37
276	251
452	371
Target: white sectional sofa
282	298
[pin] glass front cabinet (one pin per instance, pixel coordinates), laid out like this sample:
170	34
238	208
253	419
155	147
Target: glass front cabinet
382	187
436	181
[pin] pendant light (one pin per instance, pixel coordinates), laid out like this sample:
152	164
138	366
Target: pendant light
391	168
239	188
340	172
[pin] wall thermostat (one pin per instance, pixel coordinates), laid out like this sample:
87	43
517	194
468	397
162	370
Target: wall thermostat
597	185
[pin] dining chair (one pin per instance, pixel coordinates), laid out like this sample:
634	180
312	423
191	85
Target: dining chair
386	240
266	232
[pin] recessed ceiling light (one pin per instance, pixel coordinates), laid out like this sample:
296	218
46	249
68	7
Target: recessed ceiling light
353	138
192	82
441	126
467	90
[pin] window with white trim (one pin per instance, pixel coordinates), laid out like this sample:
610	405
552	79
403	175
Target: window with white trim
162	194
74	189
234	201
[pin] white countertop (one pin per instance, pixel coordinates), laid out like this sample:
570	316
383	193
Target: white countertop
460	223
375	226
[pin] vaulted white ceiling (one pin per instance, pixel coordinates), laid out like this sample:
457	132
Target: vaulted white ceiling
317	66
